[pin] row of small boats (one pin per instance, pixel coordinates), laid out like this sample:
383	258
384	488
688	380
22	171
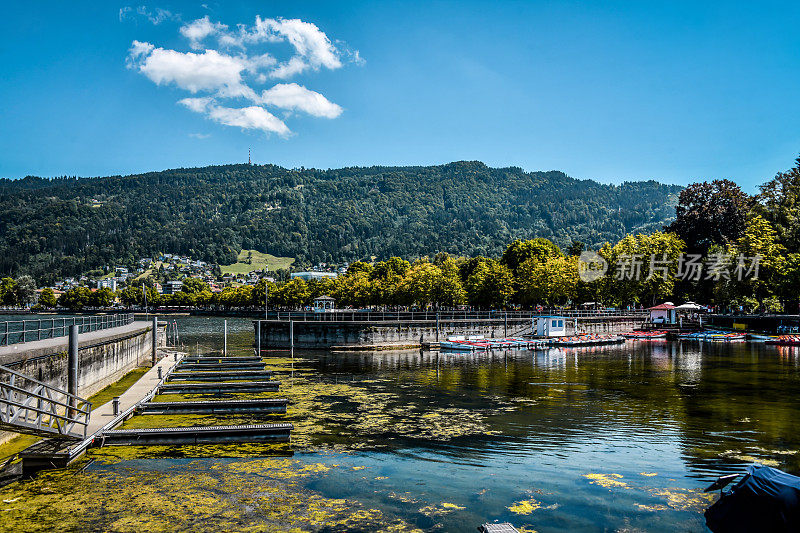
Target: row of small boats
715	336
718	336
645	335
473	343
460	343
479	343
587	340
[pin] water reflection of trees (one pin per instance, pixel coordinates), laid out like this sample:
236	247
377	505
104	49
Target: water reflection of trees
722	403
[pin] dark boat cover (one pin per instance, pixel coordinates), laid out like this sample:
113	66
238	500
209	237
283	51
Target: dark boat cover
766	499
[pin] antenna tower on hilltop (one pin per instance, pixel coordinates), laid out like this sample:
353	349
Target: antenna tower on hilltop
248	157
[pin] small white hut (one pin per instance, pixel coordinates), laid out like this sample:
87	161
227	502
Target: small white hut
549	326
663	314
324	303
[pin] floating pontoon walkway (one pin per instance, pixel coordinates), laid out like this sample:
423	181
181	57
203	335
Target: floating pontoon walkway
260	405
222	359
220	375
221	366
198	435
219	388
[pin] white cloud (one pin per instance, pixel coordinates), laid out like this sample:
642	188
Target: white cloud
206	71
199	135
259	62
227	64
198	105
139	49
199	29
247	118
313	49
297	98
296	65
155	16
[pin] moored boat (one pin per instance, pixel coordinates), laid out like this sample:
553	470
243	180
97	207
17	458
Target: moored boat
645	335
787	340
713	336
587	340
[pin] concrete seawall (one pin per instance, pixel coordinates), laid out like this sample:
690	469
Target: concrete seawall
376	335
104	356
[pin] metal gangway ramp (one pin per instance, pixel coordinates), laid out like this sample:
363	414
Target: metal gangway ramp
35	408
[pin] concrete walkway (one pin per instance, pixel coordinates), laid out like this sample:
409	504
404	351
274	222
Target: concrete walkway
26	350
105	413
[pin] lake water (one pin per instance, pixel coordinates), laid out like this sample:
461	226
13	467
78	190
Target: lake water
617	438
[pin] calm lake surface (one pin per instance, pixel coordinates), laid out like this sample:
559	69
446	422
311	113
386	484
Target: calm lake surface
618	438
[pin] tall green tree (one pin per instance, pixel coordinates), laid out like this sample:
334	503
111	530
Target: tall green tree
47	298
101	297
710	213
759	244
490	285
779	203
194	285
643	268
8	291
76	298
551	282
519	251
25	289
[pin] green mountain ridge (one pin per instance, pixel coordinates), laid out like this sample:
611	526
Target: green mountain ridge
63	226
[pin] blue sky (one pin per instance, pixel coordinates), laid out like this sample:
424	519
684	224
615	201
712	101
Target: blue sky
670	91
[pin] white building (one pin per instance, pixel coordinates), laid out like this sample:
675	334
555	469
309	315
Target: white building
549	326
324	303
171	287
107	283
663	314
308	276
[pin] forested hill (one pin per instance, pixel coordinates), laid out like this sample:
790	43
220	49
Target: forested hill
67	225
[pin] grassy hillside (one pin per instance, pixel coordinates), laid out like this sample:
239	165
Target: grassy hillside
248	260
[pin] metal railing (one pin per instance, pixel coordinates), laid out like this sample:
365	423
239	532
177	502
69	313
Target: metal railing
406	316
18	331
36	408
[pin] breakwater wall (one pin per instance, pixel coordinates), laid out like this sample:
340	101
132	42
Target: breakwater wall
396	334
601	325
104	356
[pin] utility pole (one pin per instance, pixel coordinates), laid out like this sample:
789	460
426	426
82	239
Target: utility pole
72	369
144	291
266	300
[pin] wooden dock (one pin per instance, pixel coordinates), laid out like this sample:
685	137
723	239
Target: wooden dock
256	405
219	388
197	435
220	366
219	375
199	374
222	359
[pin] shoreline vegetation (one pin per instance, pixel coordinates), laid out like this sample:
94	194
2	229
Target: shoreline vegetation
725	248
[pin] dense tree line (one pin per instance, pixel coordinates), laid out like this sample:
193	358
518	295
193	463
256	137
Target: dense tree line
718	219
65	226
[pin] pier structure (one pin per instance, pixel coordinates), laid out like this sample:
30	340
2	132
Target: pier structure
70	358
361	330
174	375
